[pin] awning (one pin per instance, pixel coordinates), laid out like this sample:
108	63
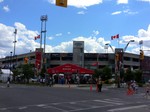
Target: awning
69	68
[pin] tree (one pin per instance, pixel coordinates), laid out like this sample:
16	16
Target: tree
43	71
97	73
16	72
106	73
129	75
27	71
138	76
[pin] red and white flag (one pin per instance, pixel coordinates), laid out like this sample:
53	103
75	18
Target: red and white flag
115	37
36	37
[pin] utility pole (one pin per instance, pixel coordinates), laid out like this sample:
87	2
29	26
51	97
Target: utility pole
44	18
15	33
10	61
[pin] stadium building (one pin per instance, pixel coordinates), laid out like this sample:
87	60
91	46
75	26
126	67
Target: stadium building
88	61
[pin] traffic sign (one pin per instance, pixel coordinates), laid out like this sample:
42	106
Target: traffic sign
62	3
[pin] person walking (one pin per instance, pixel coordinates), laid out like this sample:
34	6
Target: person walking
8	81
99	84
147	90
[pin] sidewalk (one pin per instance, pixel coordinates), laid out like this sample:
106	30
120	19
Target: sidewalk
83	86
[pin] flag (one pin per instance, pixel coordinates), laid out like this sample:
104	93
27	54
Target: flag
140	42
36	37
115	37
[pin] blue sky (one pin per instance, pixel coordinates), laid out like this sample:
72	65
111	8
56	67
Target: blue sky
91	21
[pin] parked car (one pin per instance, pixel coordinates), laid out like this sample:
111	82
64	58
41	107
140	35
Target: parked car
33	80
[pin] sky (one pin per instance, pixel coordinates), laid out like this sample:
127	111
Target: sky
91	21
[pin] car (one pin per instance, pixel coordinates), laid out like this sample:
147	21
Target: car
33	80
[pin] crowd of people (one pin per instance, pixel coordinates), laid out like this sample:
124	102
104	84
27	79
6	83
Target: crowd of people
132	86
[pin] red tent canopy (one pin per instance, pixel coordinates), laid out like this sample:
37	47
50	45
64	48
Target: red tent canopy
69	68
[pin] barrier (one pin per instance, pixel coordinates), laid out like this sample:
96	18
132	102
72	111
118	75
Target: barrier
130	92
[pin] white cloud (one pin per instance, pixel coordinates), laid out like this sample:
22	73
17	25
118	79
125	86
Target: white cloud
20	26
81	12
127	11
6	8
1	1
142	34
50	38
93	44
145	36
25	39
116	13
144	0
80	3
58	35
122	1
68	33
95	32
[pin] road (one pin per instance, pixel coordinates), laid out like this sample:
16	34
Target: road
21	98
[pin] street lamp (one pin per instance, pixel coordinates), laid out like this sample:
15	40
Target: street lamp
43	18
15	33
10	58
10	61
119	54
107	44
128	44
119	62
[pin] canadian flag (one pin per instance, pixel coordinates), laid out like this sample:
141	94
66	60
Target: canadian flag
36	37
115	37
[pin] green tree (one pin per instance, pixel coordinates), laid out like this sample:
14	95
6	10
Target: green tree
97	73
43	71
27	70
138	76
106	73
16	72
129	75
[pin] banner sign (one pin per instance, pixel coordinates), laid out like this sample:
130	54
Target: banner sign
38	58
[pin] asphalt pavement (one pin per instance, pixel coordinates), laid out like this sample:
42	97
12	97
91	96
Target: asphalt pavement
70	98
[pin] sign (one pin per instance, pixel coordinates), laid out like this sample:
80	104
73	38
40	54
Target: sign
78	44
62	3
38	58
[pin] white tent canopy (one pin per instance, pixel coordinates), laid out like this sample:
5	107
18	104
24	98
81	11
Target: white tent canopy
4	74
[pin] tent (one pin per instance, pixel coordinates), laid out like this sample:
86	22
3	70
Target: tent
5	73
69	68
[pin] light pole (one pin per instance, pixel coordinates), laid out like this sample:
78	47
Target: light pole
119	55
124	51
127	45
43	18
120	63
10	61
110	46
15	33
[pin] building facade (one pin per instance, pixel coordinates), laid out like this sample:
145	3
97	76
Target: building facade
78	57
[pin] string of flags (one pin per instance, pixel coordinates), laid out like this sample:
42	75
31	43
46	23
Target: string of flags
37	37
115	37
